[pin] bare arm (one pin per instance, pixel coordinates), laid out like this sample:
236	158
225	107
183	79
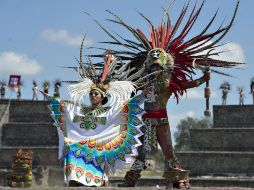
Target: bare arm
197	82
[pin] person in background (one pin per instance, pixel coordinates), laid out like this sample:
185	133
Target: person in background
35	90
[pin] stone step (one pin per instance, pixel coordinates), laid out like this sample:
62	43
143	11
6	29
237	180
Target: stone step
121	188
4	101
42	156
222	139
29	134
205	181
42	176
234	125
3	107
222	163
54	177
29	111
233	114
209	181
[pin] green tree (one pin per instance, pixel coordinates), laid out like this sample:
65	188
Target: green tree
182	135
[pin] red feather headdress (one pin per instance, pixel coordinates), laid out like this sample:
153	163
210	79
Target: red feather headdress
173	41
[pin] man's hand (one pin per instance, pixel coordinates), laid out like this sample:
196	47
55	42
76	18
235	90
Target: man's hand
207	75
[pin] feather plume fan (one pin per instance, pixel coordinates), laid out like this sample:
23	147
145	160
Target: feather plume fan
112	73
173	40
80	90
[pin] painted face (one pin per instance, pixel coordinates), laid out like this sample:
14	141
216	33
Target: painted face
109	57
95	97
158	55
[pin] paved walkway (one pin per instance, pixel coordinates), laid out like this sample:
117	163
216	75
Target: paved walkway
118	188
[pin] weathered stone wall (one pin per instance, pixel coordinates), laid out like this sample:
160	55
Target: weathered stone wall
29	134
42	156
3	105
29	127
224	150
29	111
227	149
222	139
218	163
233	116
4	115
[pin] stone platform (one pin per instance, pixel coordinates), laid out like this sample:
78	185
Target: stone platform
26	124
42	156
27	111
222	156
29	134
233	116
118	188
218	163
222	139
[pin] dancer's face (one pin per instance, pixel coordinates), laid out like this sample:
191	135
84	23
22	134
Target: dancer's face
95	97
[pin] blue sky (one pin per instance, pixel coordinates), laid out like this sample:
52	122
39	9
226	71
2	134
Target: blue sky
37	36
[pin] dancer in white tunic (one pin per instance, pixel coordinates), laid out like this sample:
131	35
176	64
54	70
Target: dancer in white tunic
96	139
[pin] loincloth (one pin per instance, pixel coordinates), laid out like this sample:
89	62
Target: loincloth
150	137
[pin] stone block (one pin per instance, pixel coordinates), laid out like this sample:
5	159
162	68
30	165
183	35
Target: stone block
29	111
4	101
207	181
233	115
42	156
233	125
221	163
3	175
29	134
2	110
210	181
56	177
222	139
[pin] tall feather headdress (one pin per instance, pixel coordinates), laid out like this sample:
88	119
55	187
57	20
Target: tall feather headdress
110	79
171	39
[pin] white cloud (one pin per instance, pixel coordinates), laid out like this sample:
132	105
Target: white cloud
195	93
232	52
176	117
15	63
190	114
62	37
